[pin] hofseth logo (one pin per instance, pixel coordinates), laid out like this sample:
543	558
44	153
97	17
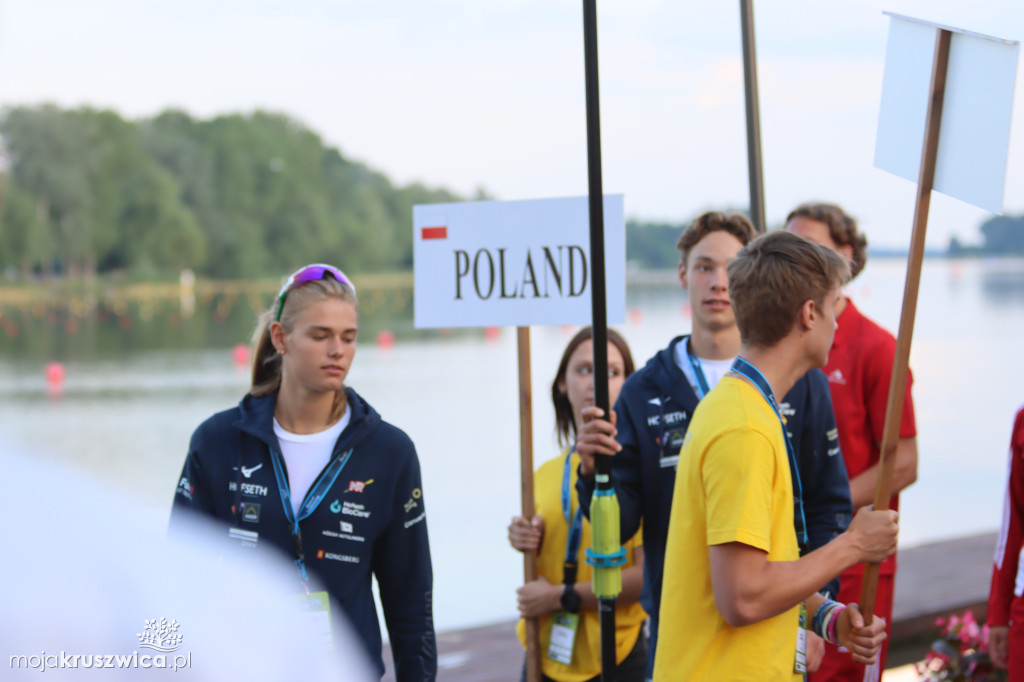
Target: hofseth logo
160	635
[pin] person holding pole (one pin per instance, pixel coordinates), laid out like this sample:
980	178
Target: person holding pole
737	591
562	596
656	405
1006	596
305	465
859	369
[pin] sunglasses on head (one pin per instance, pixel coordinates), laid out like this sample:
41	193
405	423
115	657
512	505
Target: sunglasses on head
309	274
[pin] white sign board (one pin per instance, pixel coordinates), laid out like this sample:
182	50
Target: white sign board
974	137
497	263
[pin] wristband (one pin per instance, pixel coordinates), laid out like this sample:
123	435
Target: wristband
818	622
832	622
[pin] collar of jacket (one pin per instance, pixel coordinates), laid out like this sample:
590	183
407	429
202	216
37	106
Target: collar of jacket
669	377
256	416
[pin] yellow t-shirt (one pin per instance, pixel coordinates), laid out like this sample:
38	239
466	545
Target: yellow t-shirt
586	655
732	485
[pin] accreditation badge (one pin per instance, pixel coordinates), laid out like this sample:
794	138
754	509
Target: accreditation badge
315	608
563	636
800	664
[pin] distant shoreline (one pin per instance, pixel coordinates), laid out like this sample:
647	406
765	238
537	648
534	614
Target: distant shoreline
14	292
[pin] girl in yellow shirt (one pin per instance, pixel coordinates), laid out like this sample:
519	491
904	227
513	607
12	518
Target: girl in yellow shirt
561	597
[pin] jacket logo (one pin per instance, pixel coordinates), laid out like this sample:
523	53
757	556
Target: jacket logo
248	471
185	488
251	512
836	377
358	486
251	489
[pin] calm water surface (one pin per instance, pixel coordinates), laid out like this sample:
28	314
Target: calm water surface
132	398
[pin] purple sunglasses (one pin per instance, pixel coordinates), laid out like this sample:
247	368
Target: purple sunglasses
309	274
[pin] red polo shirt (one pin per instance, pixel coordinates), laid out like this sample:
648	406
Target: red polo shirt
859	370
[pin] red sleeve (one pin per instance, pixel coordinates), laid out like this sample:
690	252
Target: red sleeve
877	391
1011	532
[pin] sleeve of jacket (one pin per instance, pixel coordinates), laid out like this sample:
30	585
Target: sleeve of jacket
826	486
1011	533
401	562
627	474
193	494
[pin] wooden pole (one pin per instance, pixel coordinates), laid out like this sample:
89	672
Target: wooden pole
898	381
533	652
754	164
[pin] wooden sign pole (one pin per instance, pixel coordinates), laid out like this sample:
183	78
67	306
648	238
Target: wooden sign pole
533	653
898	381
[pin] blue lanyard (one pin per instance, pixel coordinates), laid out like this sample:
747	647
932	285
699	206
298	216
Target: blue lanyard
314	497
698	372
572	545
745	369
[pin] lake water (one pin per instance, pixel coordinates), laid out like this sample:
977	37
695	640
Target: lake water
140	377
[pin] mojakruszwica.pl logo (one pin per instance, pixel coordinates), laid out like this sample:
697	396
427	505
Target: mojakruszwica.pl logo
157	635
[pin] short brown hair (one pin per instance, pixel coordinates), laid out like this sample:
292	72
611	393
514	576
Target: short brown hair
842	228
773	276
736	224
565	424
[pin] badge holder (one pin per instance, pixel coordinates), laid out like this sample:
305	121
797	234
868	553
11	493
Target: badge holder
800	664
564	626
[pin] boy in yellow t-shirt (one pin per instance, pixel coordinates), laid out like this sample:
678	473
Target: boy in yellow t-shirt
735	585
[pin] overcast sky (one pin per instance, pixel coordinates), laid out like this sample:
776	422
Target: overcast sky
489	93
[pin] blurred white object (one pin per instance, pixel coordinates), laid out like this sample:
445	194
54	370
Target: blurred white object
88	573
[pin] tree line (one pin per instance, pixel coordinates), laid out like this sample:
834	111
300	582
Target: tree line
1001	236
86	191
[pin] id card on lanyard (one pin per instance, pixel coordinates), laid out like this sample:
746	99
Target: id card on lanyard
316	619
800	664
564	625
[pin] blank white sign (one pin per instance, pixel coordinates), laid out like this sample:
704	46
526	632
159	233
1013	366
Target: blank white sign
974	137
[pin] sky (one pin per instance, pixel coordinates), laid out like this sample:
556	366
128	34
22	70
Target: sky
489	94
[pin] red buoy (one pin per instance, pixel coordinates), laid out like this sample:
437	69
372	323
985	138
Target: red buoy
240	355
54	374
385	339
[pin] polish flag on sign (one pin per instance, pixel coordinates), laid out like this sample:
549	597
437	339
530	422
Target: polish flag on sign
436	232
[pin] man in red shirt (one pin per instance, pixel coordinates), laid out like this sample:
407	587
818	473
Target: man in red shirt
859	370
1005	602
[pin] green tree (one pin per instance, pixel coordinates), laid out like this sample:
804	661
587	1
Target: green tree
1003	235
26	242
234	196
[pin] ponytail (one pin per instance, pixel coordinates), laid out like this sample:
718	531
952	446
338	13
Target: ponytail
266	363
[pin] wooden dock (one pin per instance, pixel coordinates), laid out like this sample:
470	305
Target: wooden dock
934	580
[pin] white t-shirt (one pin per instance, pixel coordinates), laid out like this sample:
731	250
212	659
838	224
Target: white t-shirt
713	369
306	455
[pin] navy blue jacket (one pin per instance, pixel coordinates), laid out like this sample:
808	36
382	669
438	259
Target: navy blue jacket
371	521
653	412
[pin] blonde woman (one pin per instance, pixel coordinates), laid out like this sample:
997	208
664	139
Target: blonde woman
304	464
